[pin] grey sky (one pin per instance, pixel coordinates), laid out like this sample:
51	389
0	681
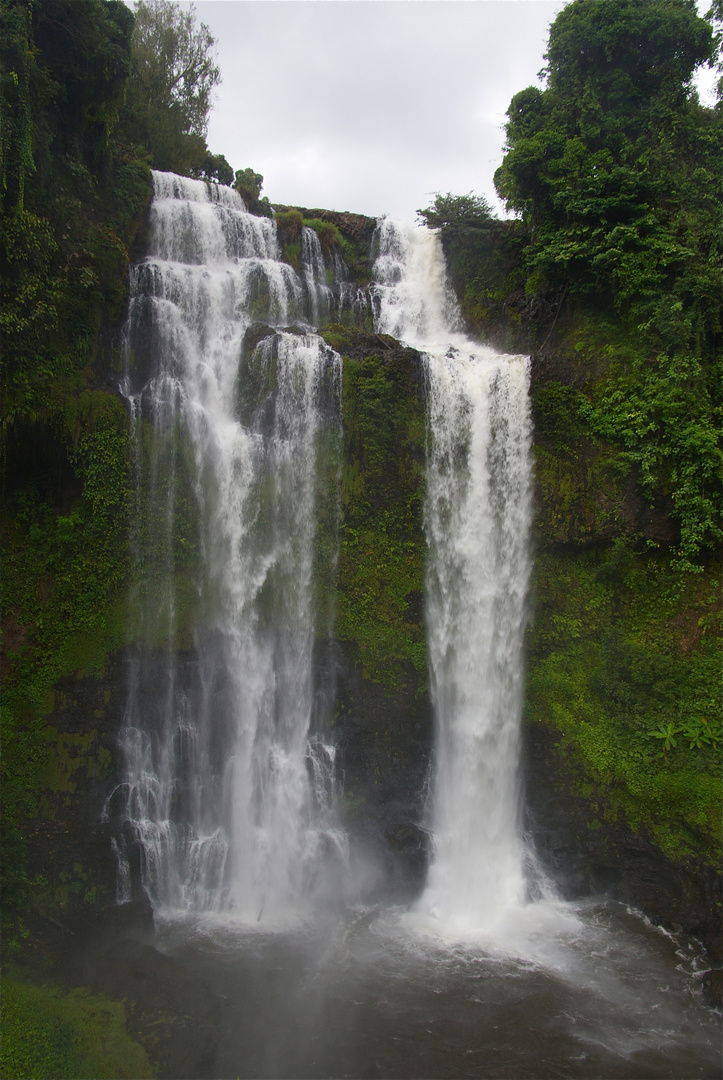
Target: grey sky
371	106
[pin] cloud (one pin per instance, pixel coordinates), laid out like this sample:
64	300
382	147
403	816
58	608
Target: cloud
371	106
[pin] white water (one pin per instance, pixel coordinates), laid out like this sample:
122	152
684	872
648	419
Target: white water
227	799
477	522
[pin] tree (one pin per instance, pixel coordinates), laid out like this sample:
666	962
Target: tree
17	73
617	170
173	74
215	167
607	161
66	203
453	210
63	70
248	184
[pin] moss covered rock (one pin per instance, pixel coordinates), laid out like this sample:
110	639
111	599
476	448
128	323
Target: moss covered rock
383	716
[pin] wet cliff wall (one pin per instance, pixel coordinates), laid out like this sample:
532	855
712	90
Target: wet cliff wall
620	752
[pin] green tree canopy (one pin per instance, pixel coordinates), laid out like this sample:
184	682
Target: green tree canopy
69	194
62	83
617	169
215	167
248	184
615	164
173	74
450	210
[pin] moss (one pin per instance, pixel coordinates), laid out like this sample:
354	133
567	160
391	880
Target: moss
72	758
48	1033
381	545
380	582
288	230
606	670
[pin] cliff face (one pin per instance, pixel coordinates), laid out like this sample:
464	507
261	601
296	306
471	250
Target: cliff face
382	718
620	645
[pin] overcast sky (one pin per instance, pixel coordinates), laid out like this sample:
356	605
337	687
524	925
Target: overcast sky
371	105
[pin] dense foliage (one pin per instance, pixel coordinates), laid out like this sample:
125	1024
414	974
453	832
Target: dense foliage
173	74
71	195
623	649
623	663
617	171
248	184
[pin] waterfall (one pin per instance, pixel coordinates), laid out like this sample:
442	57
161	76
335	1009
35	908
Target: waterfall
228	796
314	269
477	519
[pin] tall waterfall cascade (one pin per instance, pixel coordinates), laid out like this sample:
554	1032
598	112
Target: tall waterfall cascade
228	799
477	520
229	796
230	810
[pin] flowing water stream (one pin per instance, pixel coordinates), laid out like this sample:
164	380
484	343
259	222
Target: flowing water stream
220	800
228	812
477	524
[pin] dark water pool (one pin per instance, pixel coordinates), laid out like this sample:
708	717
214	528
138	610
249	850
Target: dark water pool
561	990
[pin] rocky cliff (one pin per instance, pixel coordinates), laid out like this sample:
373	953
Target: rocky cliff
619	645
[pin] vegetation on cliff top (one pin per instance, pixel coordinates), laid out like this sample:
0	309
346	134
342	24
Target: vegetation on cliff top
617	171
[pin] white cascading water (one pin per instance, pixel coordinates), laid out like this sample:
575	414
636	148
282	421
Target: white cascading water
477	519
228	798
314	270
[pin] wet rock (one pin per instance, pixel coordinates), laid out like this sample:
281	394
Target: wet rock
384	739
132	920
356	226
712	986
256	333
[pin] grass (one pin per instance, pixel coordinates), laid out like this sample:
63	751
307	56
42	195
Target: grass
66	1036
